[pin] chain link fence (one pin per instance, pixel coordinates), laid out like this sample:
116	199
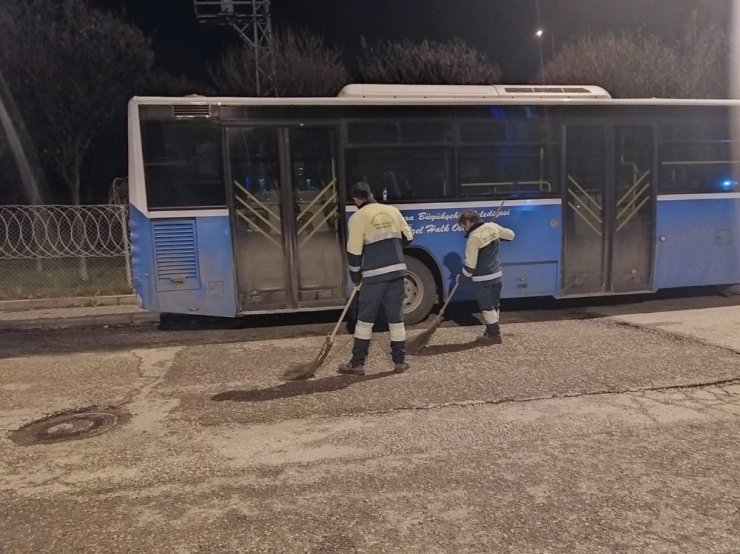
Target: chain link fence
63	251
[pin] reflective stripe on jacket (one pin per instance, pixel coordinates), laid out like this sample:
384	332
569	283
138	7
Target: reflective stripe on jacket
377	235
482	252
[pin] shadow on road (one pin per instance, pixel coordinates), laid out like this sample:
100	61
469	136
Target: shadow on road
297	388
436	349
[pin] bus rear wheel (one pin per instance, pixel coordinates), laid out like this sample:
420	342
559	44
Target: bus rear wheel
421	291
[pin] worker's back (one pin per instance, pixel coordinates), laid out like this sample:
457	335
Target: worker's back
377	233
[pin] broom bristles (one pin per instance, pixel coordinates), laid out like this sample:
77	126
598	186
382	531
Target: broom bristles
419	342
307	370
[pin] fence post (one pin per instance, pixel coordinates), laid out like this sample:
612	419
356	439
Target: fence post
126	244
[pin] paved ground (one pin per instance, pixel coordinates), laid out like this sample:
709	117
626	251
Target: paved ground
578	434
71	316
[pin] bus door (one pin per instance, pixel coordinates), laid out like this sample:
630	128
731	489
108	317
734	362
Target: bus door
285	217
608	209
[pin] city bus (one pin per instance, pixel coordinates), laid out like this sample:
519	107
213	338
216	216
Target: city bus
240	205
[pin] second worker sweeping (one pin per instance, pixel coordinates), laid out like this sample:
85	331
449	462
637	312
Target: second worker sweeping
482	265
377	235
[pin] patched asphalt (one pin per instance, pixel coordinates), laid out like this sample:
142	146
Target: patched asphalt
575	435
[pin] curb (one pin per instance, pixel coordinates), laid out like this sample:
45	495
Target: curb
71	302
82	321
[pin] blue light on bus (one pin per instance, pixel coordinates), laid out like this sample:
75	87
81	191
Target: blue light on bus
728	184
497	112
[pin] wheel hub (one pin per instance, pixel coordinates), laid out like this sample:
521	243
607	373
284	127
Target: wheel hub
412	289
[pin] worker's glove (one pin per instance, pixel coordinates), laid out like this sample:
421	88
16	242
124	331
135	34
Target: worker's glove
461	278
356	277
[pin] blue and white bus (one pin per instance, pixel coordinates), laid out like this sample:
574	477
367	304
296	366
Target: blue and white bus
239	205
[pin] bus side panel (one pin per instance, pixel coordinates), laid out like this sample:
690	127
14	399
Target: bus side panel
184	265
141	258
531	262
697	243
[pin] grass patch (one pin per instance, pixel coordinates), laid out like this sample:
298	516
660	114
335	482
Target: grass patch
60	277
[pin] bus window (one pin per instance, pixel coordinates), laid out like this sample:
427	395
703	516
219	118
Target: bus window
183	165
255	163
402	173
485	132
372	133
426	132
403	132
510	170
513	158
701	167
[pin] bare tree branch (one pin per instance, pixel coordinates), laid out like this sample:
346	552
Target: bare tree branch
71	69
163	83
636	64
304	66
427	62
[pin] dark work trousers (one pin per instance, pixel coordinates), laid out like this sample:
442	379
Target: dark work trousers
390	296
489	300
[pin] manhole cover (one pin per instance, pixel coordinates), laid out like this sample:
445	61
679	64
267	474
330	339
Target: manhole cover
70	425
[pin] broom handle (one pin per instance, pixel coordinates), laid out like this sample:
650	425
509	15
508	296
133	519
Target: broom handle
498	212
449	297
344	312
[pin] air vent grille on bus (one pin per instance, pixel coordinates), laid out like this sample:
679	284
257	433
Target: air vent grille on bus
175	255
546	90
191	110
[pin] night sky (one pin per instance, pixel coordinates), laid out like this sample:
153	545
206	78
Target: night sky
503	29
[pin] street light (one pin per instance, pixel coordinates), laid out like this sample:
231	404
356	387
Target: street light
539	33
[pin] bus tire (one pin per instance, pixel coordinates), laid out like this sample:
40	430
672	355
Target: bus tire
420	280
169	322
421	292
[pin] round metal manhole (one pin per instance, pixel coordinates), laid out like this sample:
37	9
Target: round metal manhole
69	425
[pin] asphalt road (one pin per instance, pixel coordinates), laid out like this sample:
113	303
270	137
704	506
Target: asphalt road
578	434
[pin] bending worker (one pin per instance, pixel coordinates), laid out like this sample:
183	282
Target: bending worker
377	235
482	265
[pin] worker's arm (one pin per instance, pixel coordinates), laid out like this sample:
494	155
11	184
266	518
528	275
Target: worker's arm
471	256
355	244
407	234
505	234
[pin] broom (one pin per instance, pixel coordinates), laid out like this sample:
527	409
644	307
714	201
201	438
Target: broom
419	342
307	370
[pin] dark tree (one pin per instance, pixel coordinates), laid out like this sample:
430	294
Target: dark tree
163	83
304	66
426	63
71	69
705	60
628	65
638	65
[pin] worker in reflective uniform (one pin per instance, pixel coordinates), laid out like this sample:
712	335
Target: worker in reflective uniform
377	235
482	265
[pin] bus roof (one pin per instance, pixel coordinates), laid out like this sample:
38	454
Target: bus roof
439	95
421	92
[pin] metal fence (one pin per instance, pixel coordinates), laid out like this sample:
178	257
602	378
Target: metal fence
63	251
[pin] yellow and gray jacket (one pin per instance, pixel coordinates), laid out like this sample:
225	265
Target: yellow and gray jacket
377	235
481	252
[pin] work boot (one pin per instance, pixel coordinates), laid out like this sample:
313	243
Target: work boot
398	354
400	367
492	335
352	368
